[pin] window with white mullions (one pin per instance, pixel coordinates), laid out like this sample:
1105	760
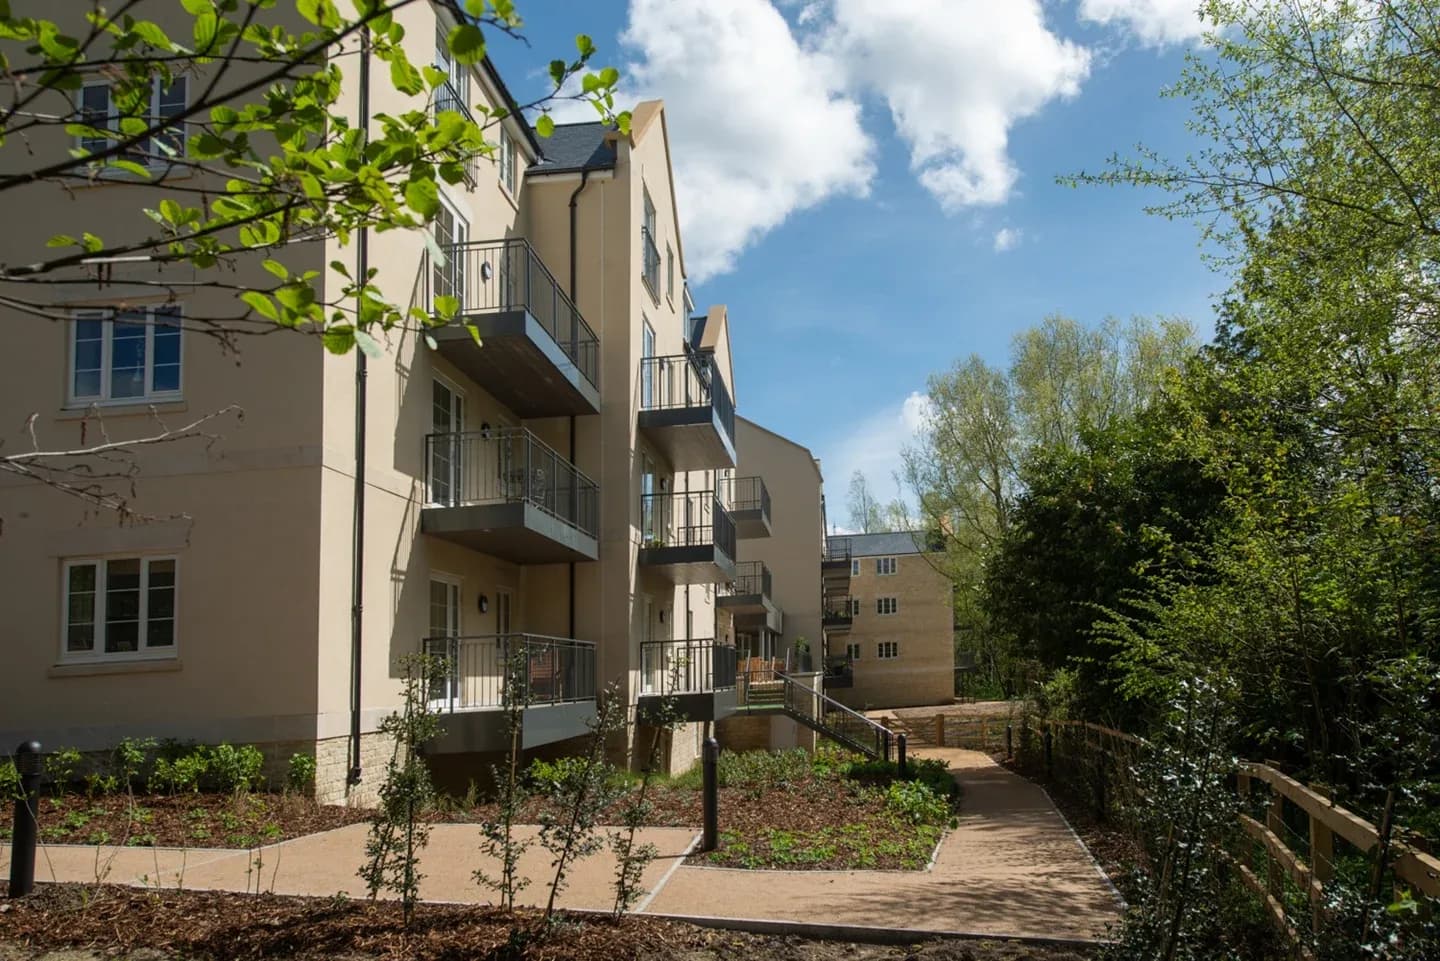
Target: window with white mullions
119	607
128	355
451	232
98	108
887	650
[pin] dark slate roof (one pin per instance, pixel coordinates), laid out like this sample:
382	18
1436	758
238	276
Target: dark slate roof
883	544
574	147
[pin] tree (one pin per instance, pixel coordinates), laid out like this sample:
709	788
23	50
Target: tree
260	158
866	515
215	189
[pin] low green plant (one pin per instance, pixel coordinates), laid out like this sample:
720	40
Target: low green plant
129	760
916	802
9	780
547	777
300	775
180	775
60	769
233	769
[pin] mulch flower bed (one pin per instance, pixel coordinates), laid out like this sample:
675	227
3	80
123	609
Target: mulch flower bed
109	921
187	820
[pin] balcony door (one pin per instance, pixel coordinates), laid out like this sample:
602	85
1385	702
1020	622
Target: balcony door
647	370
447	427
443	639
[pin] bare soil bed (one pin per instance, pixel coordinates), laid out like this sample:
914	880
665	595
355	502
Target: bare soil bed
186	820
74	923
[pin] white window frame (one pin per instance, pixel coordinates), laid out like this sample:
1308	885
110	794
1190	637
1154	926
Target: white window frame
855	603
107	347
151	158
852	650
886	566
883	602
507	162
887	650
669	273
97	653
456	268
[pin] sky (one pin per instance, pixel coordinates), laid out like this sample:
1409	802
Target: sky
870	185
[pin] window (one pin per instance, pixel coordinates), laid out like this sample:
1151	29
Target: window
125	355
887	605
854	607
887	650
854	568
507	161
98	109
648	250
648	372
885	565
119	606
852	651
451	231
669	273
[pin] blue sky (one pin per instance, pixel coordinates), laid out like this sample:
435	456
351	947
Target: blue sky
871	184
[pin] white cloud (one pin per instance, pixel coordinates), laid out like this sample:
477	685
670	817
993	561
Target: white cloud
1008	238
765	117
956	75
759	126
1155	22
872	447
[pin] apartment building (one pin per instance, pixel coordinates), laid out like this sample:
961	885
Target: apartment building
560	494
889	622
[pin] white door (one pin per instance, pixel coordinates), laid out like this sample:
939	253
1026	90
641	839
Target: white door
447	425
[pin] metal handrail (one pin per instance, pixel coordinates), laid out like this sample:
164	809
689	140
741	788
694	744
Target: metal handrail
751	577
492	276
686	380
837	549
686	666
693	519
489	670
745	494
508	465
837	610
839	722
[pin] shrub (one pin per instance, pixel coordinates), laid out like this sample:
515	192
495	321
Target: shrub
61	767
233	769
548	777
300	776
9	780
179	775
128	762
916	802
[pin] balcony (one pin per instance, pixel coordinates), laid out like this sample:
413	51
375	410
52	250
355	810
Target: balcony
507	493
448	98
835	565
686	411
695	677
837	614
748	599
537	355
748	501
839	671
687	538
551	680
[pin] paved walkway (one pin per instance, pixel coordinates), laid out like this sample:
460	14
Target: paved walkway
1011	868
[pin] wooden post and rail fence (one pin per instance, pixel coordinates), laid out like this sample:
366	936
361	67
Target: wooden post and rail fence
1295	816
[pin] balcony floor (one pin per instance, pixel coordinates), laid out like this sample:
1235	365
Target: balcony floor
482	729
519	532
702	564
690	438
693	705
753	612
519	363
750	524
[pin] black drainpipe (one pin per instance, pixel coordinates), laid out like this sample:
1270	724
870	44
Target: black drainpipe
357	547
574	213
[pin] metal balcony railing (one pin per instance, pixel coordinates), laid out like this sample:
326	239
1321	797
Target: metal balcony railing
489	671
694	519
504	466
686	667
686	380
837	549
491	276
839	666
837	611
751	577
745	494
651	253
446	97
